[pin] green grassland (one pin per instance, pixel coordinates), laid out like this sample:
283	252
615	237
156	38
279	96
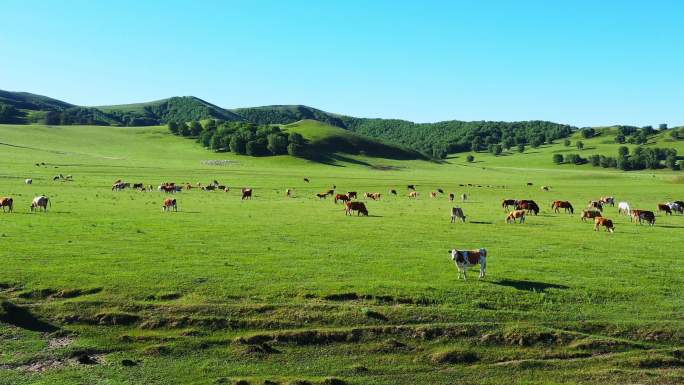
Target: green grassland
290	290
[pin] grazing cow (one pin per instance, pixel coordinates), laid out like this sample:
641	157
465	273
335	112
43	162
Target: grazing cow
664	207
413	194
28	181
439	190
209	187
221	187
546	188
676	207
643	215
167	188
411	187
322	195
119	186
596	204
342	197
359	207
590	214
557	205
457	212
169	204
288	193
623	208
468	258
433	194
352	194
608	201
7	202
605	222
393	192
306	180
246	193
451	197
464	197
138	186
374	196
507	203
56	177
528	205
40	201
516	214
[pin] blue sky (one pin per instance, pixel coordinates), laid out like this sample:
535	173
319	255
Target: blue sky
577	62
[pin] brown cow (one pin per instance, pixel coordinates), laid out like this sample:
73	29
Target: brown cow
169	204
374	196
7	202
590	214
433	194
528	205
359	207
557	205
605	222
342	197
352	194
516	214
664	207
413	194
246	193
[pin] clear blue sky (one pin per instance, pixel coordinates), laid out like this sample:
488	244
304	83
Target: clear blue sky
578	62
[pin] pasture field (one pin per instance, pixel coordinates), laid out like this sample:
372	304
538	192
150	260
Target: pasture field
290	290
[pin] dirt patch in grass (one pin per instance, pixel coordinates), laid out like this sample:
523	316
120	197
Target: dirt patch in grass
527	337
454	357
384	299
55	293
390	346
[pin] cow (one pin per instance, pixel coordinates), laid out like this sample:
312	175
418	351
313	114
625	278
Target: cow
359	207
342	197
167	188
605	222
288	193
413	194
530	183
508	202
411	187
590	214
623	208
170	204
7	202
246	193
451	197
546	188
457	213
352	194
439	190
528	205
608	201
119	186
322	195
28	181
393	192
468	258
330	192
138	186
516	214
433	194
227	189
209	187
664	207
643	215
40	201
306	180
464	197
596	204
676	207
557	205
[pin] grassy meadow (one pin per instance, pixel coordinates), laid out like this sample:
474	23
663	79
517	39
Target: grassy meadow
292	291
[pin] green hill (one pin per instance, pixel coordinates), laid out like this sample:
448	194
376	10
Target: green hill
29	101
324	139
179	108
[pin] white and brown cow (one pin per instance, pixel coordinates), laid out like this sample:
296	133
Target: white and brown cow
469	258
170	204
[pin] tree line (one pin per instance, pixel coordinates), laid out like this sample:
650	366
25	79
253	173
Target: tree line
640	158
241	138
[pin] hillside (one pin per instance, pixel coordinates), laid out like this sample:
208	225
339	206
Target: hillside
179	108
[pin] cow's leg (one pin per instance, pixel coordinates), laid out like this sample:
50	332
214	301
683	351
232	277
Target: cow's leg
453	219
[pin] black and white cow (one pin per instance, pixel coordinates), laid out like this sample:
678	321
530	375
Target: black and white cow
469	258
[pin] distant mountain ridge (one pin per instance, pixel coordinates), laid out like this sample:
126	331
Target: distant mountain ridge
433	139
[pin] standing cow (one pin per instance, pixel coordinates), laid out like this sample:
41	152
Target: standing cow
457	213
28	181
359	207
169	204
246	193
40	201
7	202
468	258
605	222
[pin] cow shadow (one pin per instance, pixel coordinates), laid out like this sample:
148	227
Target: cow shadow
22	318
480	223
529	285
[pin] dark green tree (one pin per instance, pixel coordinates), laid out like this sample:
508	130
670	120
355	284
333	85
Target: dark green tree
557	158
